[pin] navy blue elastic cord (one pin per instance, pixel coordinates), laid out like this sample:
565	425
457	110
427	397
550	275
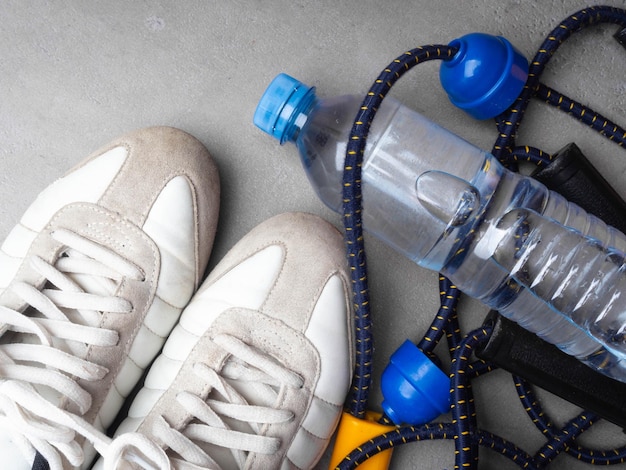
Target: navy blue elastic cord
579	111
445	321
511	120
560	441
544	424
395	438
435	431
506	449
531	155
478	368
353	216
462	401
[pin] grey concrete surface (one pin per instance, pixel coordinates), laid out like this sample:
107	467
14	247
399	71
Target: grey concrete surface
76	74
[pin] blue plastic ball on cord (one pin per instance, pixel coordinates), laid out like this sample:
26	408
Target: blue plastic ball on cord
415	389
485	76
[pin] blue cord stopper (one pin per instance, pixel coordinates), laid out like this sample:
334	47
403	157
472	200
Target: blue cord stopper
485	76
415	390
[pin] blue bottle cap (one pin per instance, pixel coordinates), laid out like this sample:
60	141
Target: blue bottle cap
283	101
415	390
485	76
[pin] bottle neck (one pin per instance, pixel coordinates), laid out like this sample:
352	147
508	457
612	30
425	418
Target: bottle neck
298	117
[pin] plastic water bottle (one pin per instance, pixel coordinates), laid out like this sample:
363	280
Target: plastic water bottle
451	207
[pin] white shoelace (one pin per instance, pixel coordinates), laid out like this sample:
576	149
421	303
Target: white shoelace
60	324
212	417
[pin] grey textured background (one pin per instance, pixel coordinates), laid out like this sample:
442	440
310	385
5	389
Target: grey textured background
76	74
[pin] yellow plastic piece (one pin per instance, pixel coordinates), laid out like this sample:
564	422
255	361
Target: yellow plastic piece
353	432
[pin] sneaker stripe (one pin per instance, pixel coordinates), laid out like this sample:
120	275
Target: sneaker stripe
170	221
328	329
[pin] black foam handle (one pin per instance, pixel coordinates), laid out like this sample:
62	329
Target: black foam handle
525	354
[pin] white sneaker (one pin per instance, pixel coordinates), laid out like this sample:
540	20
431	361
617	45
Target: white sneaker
256	372
92	280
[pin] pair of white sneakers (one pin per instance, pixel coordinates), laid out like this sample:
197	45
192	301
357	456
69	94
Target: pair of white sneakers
104	273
